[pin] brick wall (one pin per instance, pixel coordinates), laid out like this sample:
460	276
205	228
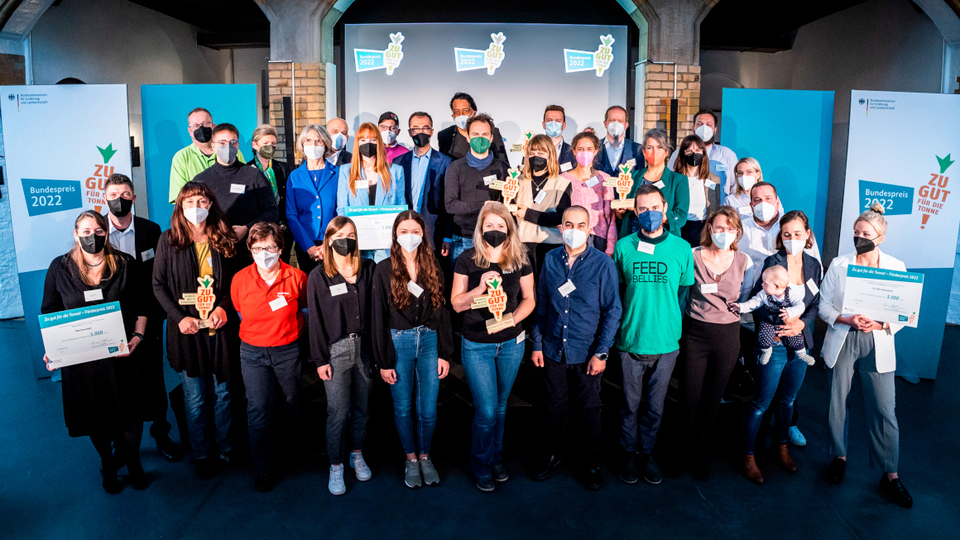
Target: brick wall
12	69
658	90
309	105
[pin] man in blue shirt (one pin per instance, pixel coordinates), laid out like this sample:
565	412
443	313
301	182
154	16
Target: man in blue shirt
424	169
578	314
617	148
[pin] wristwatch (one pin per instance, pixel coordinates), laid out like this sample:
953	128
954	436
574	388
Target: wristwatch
602	357
137	334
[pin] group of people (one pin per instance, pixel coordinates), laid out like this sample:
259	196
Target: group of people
705	267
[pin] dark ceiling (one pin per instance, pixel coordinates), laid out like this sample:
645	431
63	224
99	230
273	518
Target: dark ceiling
742	25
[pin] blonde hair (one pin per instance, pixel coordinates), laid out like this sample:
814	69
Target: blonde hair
369	131
874	216
513	254
753	163
329	266
541	143
262	131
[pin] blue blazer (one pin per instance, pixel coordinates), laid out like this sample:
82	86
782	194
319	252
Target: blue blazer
631	150
566	155
310	206
431	203
394	196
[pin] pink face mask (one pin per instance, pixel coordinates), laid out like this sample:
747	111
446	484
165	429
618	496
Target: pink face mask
585	159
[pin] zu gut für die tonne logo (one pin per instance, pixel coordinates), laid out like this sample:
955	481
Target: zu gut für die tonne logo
898	200
45	196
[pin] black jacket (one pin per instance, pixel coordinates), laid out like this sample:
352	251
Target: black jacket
811	300
281	174
455	145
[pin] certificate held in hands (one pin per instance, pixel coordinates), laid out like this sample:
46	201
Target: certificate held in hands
889	296
85	334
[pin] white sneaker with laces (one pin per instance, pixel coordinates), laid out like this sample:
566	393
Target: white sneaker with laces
360	466
336	485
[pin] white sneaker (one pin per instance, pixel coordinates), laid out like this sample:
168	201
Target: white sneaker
336	485
359	465
765	355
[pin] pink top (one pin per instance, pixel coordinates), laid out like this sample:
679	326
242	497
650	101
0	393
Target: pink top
596	199
395	151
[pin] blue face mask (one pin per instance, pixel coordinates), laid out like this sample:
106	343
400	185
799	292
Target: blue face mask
553	129
650	220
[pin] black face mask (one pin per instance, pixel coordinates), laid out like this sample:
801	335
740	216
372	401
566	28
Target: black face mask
421	140
538	163
494	238
344	246
203	134
92	244
695	159
863	245
368	150
120	207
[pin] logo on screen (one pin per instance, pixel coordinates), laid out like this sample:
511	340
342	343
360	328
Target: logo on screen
895	200
388	59
598	60
49	196
489	58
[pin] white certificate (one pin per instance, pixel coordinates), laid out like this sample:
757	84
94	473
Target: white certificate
83	335
889	296
374	225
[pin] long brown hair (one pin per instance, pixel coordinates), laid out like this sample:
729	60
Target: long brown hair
681	167
219	233
368	130
427	269
110	255
329	266
798	215
513	254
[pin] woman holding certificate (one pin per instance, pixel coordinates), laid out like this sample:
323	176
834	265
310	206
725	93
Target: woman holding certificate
191	278
102	399
370	180
857	344
493	284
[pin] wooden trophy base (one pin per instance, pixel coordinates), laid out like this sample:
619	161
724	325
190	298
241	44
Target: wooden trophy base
494	326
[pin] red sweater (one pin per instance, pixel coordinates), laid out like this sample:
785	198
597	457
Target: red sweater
271	315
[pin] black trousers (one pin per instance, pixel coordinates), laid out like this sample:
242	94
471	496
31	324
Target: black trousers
709	353
306	262
563	381
149	367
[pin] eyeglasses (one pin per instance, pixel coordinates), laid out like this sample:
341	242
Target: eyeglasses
417	130
725	229
268	249
205	124
384	127
223	144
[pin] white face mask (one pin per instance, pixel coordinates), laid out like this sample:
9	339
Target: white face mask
313	152
574	238
461	121
705	132
339	140
409	242
747	181
765	211
723	240
196	215
265	260
615	129
388	137
794	246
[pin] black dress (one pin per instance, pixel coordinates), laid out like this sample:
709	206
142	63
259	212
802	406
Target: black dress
103	397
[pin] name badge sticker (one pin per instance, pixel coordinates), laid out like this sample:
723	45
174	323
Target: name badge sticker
645	247
721	167
592	182
280	302
710	184
338	289
745	210
631	163
414	289
540	197
708	288
147	255
93	296
566	167
659	184
567	288
812	286
489	179
237	188
522	336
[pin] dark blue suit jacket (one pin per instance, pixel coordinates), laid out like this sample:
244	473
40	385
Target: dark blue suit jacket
431	204
631	150
811	300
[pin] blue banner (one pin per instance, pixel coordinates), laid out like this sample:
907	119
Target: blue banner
577	60
369	60
468	59
896	200
48	196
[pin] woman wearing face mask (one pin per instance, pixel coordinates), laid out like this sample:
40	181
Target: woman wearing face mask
312	196
857	344
412	339
543	197
199	244
674	186
711	337
705	188
102	399
782	372
264	143
748	173
338	294
370	180
270	297
587	190
491	354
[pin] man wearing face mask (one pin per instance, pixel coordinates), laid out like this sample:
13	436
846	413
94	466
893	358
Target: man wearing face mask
577	318
389	126
554	122
467	182
425	168
264	144
723	160
760	233
655	268
339	134
198	156
138	237
617	148
243	192
454	141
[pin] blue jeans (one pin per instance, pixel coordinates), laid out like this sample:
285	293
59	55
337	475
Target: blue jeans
779	371
491	369
196	400
263	369
459	244
416	352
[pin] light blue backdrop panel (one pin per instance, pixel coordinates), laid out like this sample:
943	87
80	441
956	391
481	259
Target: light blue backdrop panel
798	162
165	108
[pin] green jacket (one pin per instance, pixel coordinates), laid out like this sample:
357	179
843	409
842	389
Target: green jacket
677	192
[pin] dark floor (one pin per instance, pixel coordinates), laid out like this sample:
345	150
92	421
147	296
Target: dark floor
50	485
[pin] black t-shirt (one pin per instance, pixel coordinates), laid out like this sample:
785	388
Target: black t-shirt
475	320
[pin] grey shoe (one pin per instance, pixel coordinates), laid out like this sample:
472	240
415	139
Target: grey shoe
651	472
500	473
430	475
411	474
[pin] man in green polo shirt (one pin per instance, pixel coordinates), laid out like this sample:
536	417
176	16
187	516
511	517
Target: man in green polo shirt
655	268
197	157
